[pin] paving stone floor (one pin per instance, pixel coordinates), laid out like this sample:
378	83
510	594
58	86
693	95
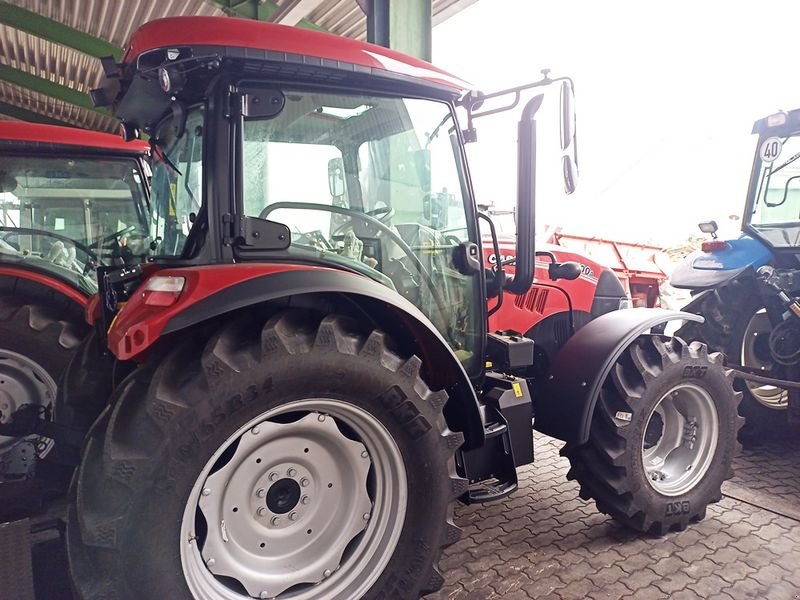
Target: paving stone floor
544	542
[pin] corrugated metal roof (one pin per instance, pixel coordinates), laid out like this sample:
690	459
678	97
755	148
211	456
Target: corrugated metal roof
114	21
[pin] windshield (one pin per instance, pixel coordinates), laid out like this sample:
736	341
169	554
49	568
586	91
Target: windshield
373	184
776	207
176	187
72	213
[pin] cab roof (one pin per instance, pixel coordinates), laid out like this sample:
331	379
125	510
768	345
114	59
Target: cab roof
244	33
56	135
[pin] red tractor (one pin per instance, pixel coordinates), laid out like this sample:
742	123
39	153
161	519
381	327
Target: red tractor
556	306
71	201
315	382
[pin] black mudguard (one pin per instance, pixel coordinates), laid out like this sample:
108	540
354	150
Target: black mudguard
565	401
696	303
286	284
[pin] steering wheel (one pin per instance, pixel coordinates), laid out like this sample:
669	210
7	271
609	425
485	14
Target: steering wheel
368	218
111	236
29	231
382	214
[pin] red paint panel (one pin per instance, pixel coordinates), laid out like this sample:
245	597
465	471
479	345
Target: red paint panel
59	286
67	136
523	312
137	326
245	33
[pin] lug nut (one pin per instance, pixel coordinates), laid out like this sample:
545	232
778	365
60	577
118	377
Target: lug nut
305	500
327	573
304	482
255	431
321	418
365	454
366	516
262	510
291	472
276	520
210	562
293	516
261	492
206	492
273	476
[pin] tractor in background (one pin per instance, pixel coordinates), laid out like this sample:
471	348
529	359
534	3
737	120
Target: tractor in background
746	289
313	381
71	202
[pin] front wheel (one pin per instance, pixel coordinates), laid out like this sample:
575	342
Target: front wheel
662	438
301	460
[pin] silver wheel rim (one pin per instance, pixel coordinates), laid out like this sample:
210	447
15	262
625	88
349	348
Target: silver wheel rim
680	440
759	328
309	504
22	381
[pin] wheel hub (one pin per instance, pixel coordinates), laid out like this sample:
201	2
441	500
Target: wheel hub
680	440
283	496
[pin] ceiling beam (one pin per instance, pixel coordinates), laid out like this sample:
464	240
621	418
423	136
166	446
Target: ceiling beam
259	10
24	114
56	32
292	12
48	88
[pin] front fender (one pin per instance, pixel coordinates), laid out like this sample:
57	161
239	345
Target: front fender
565	402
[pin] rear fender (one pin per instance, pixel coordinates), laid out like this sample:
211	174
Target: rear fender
704	270
34	279
211	292
565	401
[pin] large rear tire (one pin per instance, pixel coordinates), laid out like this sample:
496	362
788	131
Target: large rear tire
662	437
738	325
297	458
36	344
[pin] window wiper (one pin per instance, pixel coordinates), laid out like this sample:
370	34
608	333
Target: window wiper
786	164
432	136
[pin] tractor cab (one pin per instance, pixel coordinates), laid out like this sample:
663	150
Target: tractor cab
772	213
352	162
71	201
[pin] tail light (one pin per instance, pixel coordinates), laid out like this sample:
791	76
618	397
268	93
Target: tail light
714	245
163	290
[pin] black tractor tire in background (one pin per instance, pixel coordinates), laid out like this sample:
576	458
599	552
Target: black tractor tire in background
45	335
185	419
728	315
662	396
88	382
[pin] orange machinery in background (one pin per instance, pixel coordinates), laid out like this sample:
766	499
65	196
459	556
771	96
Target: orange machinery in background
634	264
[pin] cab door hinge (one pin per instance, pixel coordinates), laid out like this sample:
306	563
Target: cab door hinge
227	229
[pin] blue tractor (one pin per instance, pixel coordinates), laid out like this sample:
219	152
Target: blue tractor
747	288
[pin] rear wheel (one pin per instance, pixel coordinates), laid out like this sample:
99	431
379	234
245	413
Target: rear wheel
301	460
662	437
738	325
36	344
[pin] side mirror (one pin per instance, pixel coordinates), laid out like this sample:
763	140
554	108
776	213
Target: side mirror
567	270
569	141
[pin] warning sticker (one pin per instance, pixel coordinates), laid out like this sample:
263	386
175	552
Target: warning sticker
517	389
770	149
